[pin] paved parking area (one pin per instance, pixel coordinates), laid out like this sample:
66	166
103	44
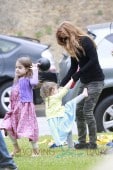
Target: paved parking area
43	125
44	128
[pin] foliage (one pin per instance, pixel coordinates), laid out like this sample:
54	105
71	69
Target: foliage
39	34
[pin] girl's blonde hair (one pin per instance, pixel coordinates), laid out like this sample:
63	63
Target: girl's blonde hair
27	63
69	37
46	90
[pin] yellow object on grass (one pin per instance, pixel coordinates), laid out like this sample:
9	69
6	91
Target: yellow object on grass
104	139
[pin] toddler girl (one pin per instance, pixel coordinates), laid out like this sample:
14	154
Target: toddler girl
60	118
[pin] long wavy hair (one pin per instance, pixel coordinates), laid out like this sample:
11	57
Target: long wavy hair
69	37
27	63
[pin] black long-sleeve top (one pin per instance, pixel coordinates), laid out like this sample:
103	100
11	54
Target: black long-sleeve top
89	67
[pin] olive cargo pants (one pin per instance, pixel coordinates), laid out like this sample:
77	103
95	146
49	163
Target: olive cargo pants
85	109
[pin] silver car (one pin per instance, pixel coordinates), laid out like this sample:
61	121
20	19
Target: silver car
12	47
103	37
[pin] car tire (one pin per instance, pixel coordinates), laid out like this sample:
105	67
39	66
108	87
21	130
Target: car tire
4	98
102	115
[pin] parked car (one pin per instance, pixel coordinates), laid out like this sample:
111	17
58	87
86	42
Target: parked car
12	47
103	37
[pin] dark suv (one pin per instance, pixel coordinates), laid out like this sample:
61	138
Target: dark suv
12	47
103	37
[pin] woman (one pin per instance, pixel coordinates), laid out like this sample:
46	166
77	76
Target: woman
82	51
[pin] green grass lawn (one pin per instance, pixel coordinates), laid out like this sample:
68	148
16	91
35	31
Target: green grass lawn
54	159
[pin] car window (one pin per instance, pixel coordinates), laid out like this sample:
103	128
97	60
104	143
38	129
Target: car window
110	38
7	46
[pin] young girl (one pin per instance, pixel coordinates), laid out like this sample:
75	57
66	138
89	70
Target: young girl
21	120
60	118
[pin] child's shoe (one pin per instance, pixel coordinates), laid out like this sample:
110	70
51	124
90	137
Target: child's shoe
54	145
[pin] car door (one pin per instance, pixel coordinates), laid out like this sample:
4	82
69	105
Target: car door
105	52
1	59
1	64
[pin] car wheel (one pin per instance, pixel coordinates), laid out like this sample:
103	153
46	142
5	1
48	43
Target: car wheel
104	115
5	90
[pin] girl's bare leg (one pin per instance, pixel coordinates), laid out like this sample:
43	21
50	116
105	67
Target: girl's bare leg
35	149
15	145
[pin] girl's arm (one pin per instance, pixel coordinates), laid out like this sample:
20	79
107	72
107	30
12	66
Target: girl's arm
63	91
34	79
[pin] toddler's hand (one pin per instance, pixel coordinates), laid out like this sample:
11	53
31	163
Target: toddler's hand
85	92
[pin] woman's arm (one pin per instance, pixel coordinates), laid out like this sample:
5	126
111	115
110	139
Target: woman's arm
69	84
72	70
